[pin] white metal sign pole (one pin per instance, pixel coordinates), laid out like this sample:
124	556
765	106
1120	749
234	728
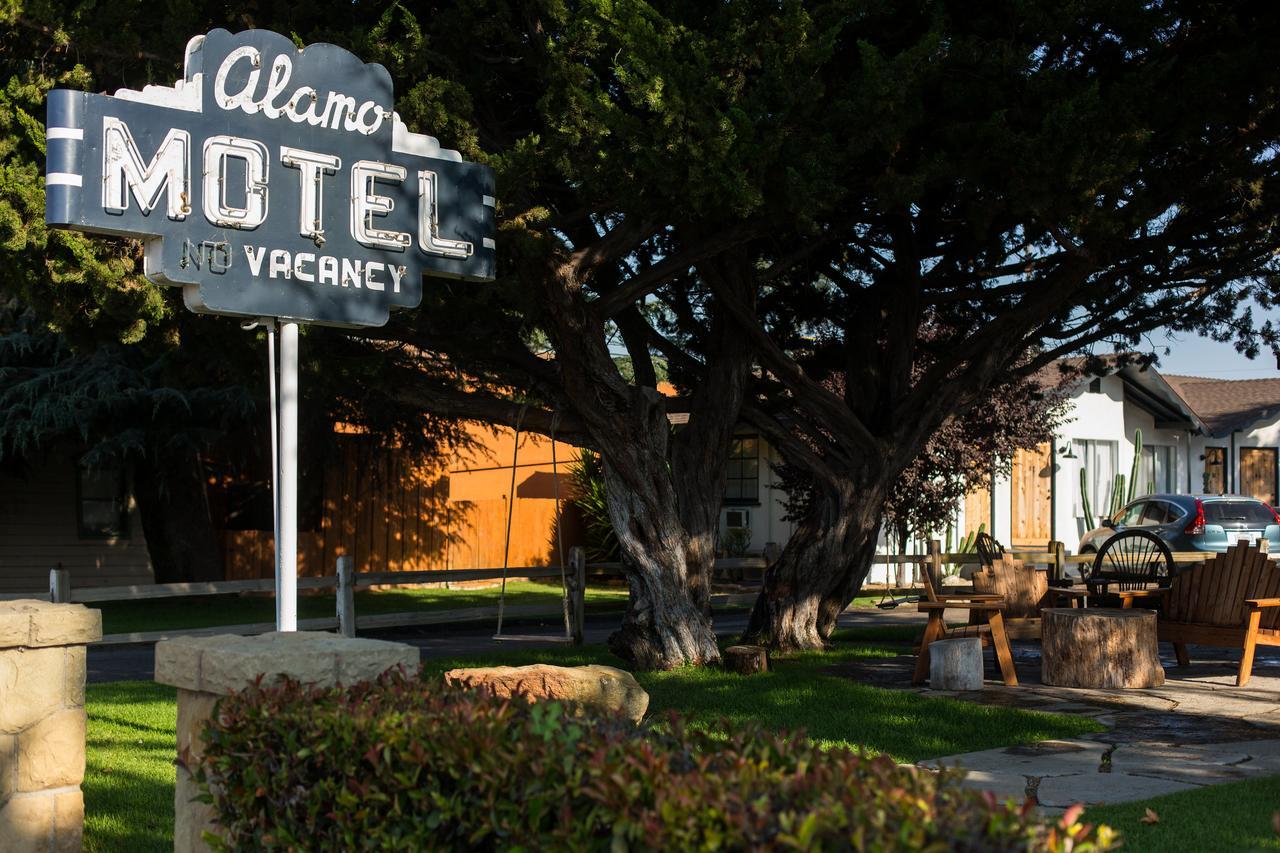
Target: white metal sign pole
274	401
287	483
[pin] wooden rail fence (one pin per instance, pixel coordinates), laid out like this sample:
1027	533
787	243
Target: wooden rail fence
346	581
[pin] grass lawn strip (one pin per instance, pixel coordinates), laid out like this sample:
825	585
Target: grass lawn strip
209	611
1235	816
129	775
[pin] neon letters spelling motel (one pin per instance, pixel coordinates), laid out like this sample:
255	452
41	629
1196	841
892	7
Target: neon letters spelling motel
281	185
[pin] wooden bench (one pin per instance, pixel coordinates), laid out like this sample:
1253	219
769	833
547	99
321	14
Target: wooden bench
1230	601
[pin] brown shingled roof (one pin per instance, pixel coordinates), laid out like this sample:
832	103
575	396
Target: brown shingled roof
1225	405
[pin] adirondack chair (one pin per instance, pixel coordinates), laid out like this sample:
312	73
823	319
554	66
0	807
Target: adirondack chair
1026	591
986	614
1231	600
989	550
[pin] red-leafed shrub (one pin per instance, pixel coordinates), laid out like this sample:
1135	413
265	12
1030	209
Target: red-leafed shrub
405	765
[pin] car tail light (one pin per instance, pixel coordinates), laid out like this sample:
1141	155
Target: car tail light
1196	527
1274	514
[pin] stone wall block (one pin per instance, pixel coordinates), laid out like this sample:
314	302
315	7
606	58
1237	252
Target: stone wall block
8	766
68	809
65	624
42	724
205	669
178	662
194	711
51	753
235	669
354	667
76	670
32	685
192	818
27	824
15	628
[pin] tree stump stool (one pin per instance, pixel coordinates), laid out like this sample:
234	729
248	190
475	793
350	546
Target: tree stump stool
1100	647
746	660
956	664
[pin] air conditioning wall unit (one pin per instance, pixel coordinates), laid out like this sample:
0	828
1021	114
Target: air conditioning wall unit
737	518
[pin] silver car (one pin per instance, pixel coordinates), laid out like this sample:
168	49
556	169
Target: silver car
1192	522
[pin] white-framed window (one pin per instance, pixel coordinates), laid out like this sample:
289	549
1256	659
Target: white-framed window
742	471
1155	472
1099	460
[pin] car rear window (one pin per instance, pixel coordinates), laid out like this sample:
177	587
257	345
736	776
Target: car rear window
1237	512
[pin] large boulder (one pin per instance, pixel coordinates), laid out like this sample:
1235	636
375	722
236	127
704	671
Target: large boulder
598	689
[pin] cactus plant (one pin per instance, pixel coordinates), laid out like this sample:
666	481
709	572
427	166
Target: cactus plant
1084	499
1117	495
1137	461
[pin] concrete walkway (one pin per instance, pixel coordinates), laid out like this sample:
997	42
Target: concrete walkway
1197	729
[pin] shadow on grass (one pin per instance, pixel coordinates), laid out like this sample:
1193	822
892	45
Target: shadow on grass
797	694
129	775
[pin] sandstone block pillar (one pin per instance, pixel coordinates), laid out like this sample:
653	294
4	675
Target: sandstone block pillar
42	723
204	669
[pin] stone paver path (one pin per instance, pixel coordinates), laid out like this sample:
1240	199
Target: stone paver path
1197	729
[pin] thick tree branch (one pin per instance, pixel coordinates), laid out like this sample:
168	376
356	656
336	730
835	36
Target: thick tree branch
821	400
646	281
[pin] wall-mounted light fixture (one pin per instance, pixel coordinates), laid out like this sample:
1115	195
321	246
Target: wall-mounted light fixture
1067	452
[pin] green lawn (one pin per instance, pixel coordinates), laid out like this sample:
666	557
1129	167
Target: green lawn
798	694
1223	817
208	611
129	780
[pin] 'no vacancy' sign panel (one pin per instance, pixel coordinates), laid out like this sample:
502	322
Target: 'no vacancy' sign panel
271	181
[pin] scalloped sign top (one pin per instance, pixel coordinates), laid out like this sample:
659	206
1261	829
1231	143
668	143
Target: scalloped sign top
271	181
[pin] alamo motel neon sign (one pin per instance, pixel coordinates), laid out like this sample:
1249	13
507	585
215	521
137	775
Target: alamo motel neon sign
271	181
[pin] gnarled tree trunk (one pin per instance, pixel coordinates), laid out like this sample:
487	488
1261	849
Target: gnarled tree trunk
664	501
819	572
701	450
665	625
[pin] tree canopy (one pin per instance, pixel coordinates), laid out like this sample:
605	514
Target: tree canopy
930	201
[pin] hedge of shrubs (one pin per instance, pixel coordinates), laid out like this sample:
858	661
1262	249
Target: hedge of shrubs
405	765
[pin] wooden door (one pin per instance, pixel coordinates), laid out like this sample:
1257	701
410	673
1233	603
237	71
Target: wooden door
1258	473
1031	499
1215	470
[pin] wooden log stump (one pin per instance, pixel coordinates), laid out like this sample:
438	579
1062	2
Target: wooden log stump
745	660
956	664
1100	647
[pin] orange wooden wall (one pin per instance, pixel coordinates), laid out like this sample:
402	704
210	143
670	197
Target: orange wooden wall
393	512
